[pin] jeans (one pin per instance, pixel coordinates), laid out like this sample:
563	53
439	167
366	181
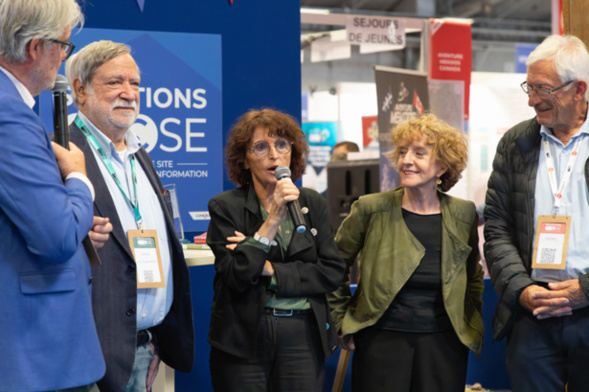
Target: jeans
143	357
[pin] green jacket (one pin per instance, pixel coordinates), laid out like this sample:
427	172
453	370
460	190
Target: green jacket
389	254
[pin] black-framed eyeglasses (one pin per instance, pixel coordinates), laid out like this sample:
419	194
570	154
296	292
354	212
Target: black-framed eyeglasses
67	46
261	149
542	91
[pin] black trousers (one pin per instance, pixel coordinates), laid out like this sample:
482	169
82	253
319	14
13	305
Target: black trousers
545	355
391	361
289	358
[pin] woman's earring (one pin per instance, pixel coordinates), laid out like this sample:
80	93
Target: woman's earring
439	181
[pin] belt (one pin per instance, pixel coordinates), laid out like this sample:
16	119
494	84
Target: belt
143	337
286	313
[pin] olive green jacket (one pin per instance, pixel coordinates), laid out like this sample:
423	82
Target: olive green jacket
389	254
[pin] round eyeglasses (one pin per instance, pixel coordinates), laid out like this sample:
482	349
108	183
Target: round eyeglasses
261	149
542	91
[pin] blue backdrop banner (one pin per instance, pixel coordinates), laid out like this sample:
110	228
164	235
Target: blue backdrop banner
180	121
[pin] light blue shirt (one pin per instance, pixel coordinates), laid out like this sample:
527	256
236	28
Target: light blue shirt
152	304
575	202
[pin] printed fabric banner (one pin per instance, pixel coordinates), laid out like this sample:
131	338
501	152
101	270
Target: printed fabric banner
321	137
180	114
451	53
370	132
401	95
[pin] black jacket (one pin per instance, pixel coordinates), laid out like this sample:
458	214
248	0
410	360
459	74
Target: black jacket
509	220
311	267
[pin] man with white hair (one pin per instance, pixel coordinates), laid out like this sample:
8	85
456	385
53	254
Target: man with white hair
139	321
49	340
536	215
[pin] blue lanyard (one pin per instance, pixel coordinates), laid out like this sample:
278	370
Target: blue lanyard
106	160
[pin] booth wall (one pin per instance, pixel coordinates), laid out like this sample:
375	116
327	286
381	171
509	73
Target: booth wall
260	46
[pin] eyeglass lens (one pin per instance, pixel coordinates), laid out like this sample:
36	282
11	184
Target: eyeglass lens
262	148
542	90
66	47
539	90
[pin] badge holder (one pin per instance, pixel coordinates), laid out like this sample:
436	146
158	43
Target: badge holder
146	251
551	243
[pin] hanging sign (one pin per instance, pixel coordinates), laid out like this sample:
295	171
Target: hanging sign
373	30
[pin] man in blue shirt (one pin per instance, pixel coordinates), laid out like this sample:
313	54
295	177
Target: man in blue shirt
141	296
537	209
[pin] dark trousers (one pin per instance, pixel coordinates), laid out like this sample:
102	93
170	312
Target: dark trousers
289	358
545	355
391	361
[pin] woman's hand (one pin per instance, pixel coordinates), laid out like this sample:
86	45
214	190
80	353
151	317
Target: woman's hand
237	238
347	342
268	269
284	192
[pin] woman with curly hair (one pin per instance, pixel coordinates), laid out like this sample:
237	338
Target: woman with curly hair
417	308
271	328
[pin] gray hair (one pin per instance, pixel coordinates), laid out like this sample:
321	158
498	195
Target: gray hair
24	20
84	63
570	56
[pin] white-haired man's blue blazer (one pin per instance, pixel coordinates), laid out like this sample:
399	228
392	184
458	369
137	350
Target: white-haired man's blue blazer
48	338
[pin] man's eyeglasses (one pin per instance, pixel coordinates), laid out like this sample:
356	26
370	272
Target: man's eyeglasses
262	149
542	91
67	46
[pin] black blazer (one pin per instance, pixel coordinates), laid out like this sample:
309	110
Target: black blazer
114	291
310	267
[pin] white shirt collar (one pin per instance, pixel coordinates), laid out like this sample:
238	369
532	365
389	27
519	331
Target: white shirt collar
23	91
132	141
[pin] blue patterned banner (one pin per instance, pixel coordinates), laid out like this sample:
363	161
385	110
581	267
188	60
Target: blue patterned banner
180	117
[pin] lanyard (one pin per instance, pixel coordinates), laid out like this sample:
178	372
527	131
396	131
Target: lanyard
557	191
106	160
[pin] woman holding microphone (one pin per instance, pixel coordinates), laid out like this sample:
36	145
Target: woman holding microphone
271	329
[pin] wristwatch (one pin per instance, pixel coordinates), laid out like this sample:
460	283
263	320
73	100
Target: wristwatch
263	240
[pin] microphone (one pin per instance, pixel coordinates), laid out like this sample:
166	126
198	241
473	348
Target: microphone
60	126
61	136
283	173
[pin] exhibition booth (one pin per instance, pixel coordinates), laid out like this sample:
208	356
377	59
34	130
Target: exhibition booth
204	64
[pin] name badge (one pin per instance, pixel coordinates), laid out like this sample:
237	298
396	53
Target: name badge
146	250
552	239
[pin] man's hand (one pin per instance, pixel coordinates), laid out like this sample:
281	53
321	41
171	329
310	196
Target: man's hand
572	291
153	368
69	161
100	232
557	301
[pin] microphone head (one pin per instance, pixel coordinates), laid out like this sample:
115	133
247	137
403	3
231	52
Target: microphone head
61	84
282	172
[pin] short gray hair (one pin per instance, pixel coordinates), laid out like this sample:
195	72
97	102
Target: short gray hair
84	63
24	20
570	56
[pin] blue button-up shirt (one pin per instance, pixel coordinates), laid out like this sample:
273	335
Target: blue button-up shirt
574	202
152	304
